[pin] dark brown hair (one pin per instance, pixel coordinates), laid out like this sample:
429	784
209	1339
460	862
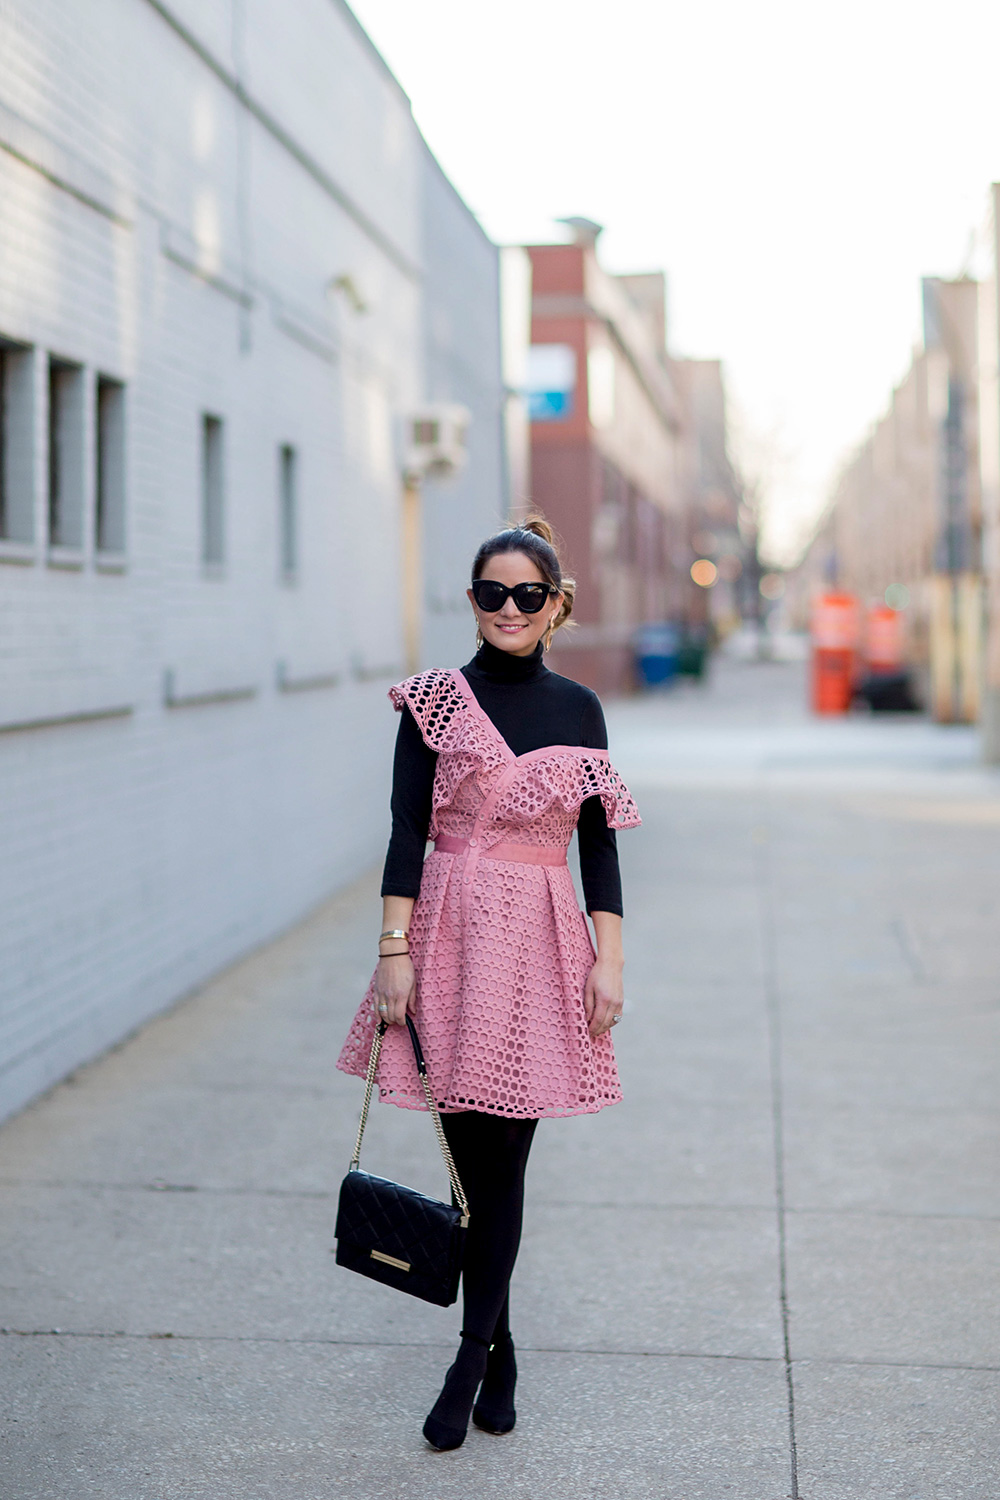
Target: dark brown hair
536	539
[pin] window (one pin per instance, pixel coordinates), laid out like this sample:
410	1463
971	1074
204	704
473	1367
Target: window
601	386
109	515
17	522
551	382
65	454
288	511
212	493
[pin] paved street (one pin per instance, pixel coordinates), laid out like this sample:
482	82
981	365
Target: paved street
771	1272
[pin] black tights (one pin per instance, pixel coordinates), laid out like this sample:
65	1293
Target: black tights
491	1155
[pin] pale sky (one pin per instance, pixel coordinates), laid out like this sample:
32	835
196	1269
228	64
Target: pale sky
795	168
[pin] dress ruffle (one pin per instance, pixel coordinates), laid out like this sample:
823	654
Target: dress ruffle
471	746
567	776
444	717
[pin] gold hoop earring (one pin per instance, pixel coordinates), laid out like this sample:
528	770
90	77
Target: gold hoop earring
549	634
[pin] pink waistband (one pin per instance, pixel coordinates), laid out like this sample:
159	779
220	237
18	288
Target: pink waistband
525	854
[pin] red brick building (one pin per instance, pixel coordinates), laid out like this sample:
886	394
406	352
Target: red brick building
610	462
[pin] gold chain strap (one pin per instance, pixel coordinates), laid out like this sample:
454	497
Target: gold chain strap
369	1085
449	1160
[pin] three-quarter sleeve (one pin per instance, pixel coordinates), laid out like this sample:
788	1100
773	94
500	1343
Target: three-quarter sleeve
600	875
413	770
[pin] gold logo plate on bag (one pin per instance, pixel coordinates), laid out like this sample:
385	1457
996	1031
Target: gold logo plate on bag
390	1260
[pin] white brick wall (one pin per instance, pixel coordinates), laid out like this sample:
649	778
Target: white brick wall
163	228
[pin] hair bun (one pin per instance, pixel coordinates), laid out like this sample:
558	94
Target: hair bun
539	527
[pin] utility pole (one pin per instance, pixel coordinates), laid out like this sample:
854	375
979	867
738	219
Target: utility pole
753	571
990	461
951	336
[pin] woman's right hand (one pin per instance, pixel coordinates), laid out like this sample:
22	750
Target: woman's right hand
395	989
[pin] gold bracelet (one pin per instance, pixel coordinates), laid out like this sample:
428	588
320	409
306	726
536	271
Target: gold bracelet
394	932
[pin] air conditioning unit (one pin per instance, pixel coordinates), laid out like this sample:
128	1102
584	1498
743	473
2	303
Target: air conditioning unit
436	442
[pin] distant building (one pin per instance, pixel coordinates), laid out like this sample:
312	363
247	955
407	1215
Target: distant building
905	524
713	491
230	275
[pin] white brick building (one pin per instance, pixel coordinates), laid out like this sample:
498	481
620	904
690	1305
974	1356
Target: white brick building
229	267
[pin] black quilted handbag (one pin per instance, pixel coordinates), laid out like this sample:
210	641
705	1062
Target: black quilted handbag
392	1233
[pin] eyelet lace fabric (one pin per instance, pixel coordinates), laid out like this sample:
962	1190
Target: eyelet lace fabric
500	947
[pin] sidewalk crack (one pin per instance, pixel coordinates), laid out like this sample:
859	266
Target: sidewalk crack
761	845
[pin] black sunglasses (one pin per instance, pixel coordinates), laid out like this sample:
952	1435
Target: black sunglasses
529	597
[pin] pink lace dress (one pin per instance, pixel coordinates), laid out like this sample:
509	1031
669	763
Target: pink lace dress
500	947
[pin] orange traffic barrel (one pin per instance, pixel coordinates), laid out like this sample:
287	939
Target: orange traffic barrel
885	645
834	622
834	632
832	681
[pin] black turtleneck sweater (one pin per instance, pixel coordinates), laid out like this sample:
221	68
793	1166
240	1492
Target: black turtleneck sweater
531	707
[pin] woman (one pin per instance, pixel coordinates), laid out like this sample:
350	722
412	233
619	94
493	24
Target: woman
484	944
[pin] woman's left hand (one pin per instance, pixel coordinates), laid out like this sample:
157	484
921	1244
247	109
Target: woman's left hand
604	995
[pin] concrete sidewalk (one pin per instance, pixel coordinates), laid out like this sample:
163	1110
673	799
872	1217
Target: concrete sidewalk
772	1271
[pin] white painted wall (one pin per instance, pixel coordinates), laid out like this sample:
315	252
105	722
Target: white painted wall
181	185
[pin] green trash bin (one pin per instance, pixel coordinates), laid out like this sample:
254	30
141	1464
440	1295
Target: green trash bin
692	657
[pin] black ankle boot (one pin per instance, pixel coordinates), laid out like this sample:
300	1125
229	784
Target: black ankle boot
494	1411
448	1421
